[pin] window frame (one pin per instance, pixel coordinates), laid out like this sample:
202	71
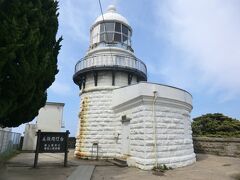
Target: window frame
102	33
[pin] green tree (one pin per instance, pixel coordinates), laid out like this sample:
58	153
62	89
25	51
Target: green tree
28	57
217	125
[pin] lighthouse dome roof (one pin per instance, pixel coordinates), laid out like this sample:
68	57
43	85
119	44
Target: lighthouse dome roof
112	15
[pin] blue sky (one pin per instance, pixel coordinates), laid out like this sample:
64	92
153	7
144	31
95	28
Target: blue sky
194	45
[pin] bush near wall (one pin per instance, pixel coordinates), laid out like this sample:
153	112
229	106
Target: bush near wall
215	125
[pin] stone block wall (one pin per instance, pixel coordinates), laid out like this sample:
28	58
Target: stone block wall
217	146
96	125
137	136
97	122
173	135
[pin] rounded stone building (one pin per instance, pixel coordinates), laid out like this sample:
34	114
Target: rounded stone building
121	114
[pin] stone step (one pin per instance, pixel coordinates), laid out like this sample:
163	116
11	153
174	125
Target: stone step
119	162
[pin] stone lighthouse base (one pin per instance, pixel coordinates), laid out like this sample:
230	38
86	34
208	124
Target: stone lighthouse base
97	126
147	124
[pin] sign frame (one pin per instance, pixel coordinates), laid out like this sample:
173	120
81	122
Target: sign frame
52	142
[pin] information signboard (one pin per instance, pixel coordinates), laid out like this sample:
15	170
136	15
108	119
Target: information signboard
52	142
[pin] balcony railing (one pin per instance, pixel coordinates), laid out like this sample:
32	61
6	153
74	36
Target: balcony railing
111	60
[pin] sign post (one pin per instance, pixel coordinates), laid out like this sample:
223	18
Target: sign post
66	148
52	142
37	149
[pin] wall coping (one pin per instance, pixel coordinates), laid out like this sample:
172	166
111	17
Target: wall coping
144	89
217	139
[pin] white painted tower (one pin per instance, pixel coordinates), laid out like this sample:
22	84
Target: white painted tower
145	123
109	63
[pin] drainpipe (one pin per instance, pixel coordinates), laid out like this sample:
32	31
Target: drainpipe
154	126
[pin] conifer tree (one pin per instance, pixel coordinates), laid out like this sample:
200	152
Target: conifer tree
28	57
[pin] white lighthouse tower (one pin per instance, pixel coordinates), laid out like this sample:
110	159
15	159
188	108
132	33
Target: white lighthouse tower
109	63
121	114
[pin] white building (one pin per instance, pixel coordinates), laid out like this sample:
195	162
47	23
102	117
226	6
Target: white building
49	119
145	123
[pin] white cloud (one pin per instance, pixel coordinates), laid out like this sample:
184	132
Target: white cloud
60	88
75	20
206	36
76	17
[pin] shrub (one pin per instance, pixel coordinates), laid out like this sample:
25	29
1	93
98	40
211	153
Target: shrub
216	125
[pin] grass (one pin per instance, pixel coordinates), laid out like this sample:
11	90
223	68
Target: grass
160	169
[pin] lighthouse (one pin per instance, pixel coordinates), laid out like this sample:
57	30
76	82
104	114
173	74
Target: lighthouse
121	114
109	63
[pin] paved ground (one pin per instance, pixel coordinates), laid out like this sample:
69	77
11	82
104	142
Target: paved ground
50	167
83	171
208	167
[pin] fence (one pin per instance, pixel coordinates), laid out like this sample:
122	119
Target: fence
9	141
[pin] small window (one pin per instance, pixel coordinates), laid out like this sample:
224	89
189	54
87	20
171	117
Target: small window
124	118
129	33
94	39
117	37
109	26
129	42
102	37
118	27
109	37
102	28
125	38
125	30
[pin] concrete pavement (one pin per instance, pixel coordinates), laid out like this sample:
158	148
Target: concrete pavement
207	167
83	172
50	167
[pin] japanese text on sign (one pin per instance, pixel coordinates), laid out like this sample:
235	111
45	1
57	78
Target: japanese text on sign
52	142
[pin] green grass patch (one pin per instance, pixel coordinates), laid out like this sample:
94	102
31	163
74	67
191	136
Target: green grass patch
160	169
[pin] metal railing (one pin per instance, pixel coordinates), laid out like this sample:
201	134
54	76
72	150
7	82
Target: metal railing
9	141
111	60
